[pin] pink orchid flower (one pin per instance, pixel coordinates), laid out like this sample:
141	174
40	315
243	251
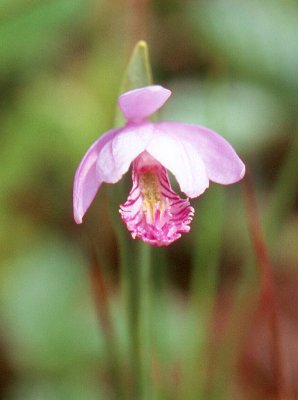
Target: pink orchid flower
194	154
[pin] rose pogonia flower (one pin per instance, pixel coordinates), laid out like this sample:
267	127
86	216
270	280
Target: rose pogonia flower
194	154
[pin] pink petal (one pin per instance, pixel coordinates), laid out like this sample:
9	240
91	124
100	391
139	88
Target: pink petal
86	181
221	161
117	154
181	158
153	212
140	103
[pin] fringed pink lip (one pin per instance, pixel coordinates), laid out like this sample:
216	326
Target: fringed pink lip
194	154
153	212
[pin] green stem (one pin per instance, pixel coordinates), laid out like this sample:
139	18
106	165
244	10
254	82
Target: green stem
136	275
135	266
131	276
145	290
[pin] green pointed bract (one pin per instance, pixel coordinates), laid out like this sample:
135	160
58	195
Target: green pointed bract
138	74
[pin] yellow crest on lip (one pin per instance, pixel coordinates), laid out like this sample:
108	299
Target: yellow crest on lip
150	190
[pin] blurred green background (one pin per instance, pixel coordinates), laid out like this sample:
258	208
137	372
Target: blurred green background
232	66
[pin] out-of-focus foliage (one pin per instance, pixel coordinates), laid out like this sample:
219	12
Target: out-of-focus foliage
232	65
53	324
257	40
33	33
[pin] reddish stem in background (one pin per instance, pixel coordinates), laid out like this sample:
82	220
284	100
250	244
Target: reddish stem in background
100	296
102	306
268	298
